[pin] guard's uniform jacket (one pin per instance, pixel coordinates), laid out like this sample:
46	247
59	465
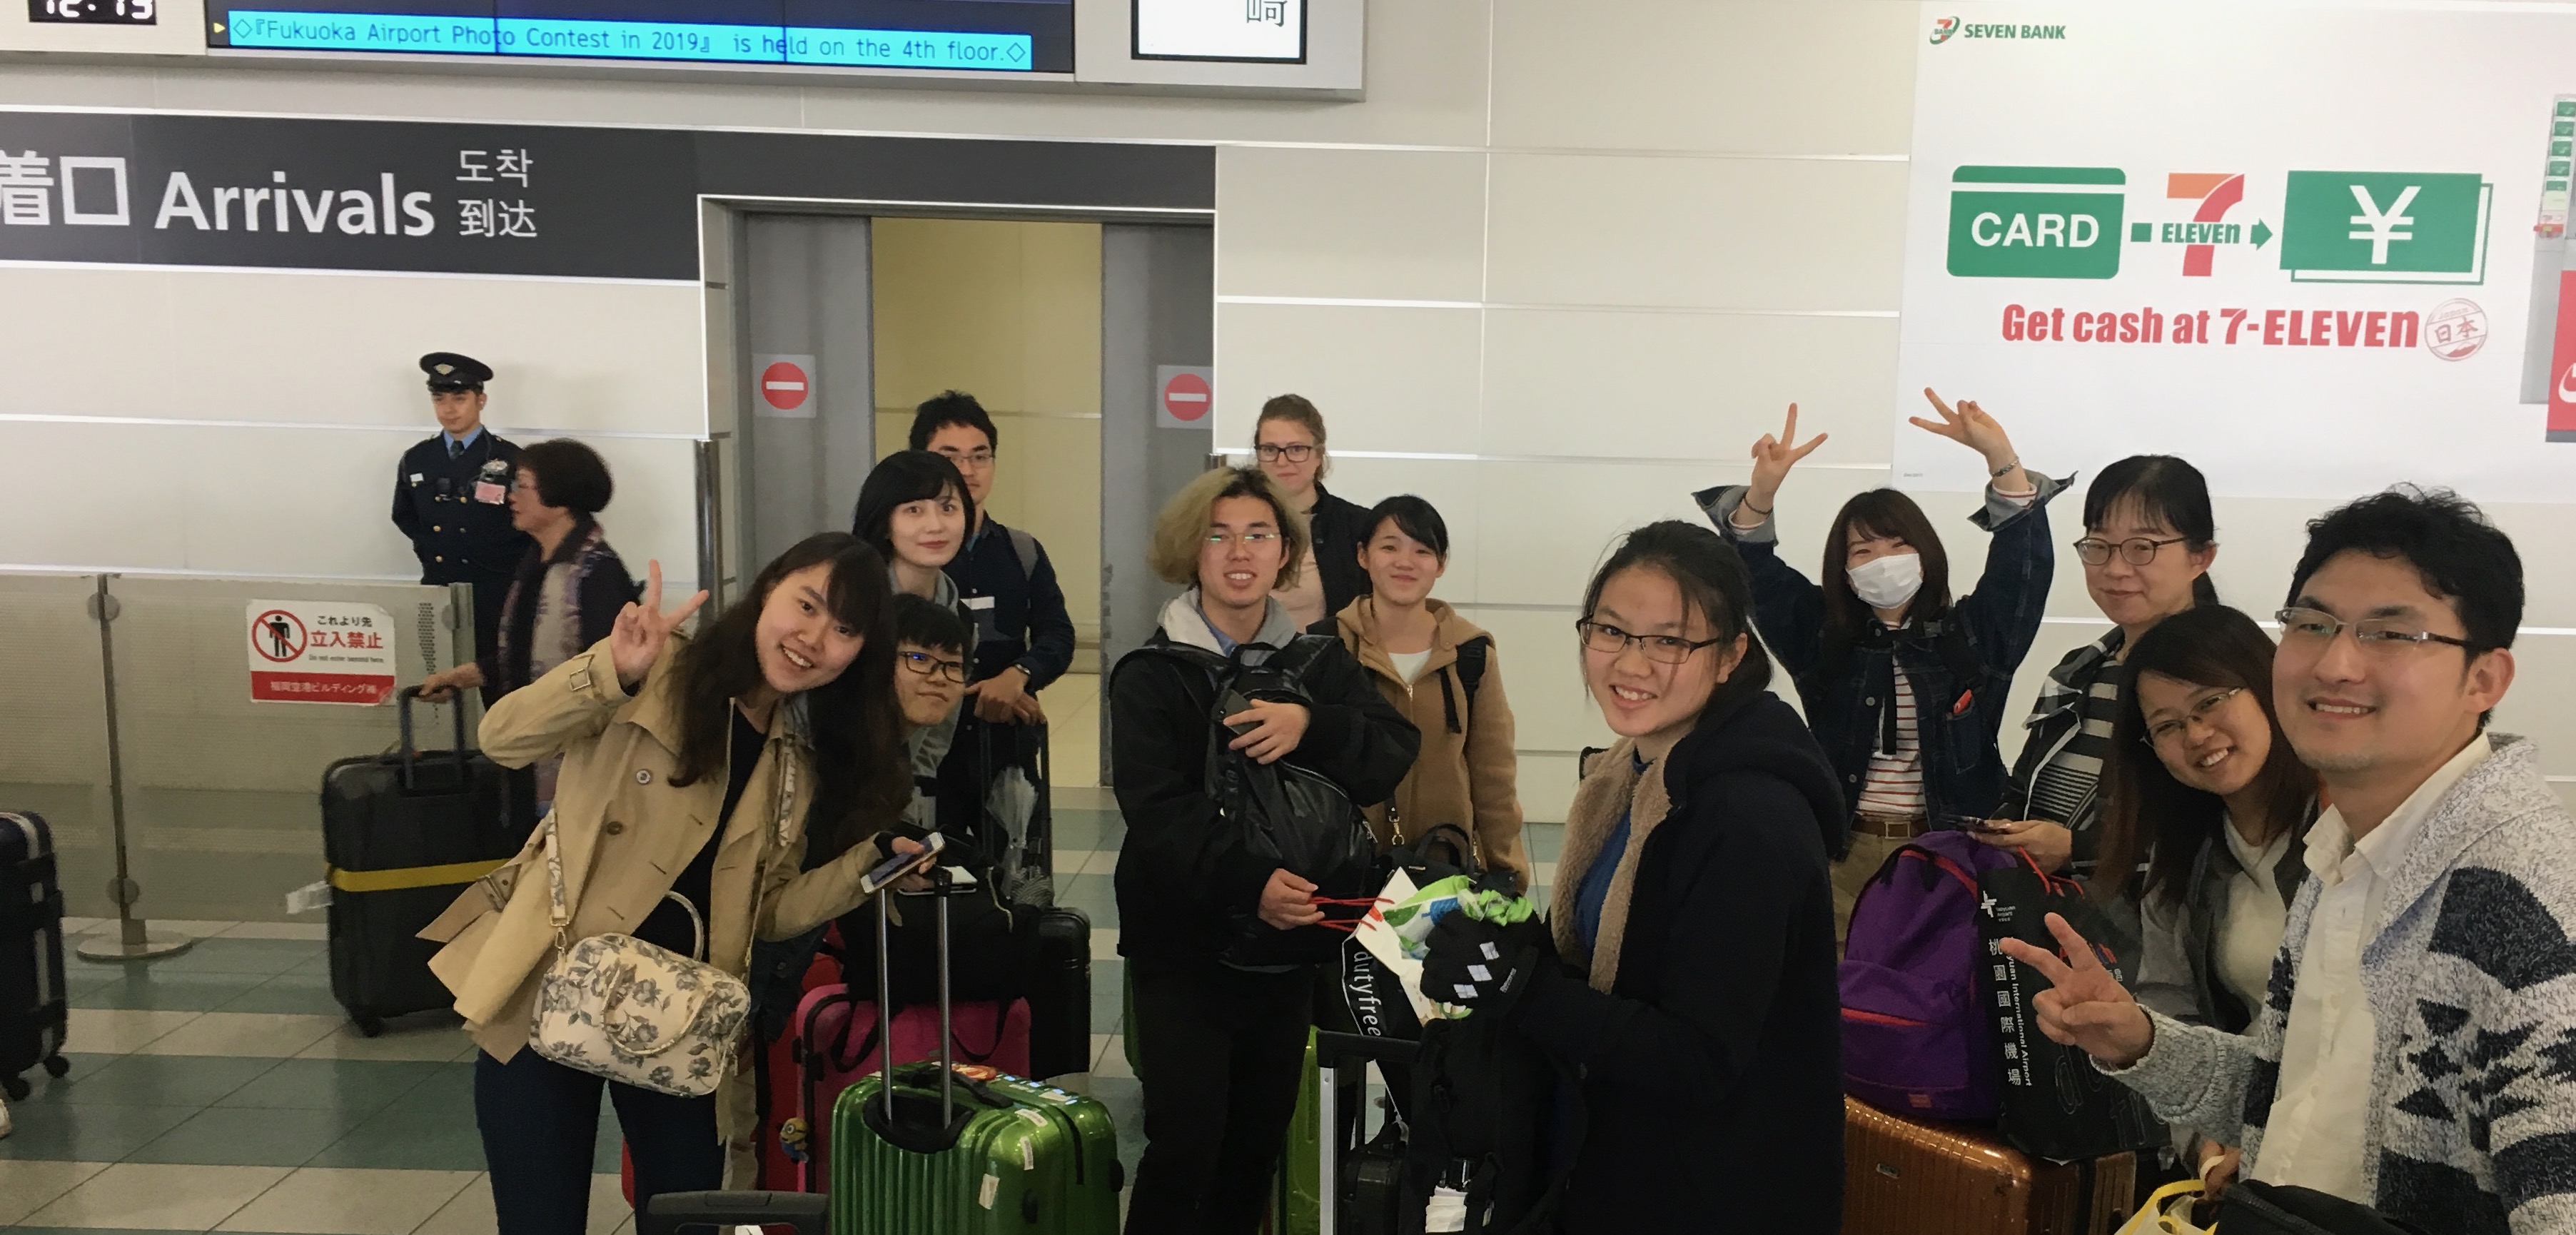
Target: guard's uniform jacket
457	513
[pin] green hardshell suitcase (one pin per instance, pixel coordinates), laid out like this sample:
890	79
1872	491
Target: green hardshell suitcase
967	1151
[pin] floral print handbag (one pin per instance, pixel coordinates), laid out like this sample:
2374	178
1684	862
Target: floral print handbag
634	1012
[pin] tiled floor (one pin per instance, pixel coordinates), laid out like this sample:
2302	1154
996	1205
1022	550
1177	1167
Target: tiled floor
222	1090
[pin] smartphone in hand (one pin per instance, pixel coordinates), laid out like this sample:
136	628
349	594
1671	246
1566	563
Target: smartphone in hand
903	864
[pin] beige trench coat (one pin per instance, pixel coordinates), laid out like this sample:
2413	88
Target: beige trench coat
627	833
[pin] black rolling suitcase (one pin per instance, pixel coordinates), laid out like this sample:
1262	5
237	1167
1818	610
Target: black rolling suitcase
33	1007
1058	982
1058	988
403	834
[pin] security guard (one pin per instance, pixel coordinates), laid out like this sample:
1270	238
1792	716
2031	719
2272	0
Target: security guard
452	494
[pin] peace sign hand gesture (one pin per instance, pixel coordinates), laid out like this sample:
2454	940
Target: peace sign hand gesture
2085	1006
643	629
1970	426
1773	457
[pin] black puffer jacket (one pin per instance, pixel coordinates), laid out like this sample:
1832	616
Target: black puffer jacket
1712	1066
1182	873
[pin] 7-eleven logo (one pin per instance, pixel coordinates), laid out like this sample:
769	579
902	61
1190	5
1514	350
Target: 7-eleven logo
2216	192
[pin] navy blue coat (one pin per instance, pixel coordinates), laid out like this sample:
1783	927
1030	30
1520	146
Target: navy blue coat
1958	715
458	537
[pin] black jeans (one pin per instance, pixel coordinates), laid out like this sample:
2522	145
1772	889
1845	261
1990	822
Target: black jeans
540	1123
1221	1050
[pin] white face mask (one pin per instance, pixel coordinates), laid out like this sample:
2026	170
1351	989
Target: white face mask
1889	581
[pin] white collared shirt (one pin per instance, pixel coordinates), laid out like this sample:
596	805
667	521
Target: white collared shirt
2313	1137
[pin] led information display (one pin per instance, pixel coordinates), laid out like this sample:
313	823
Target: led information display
1001	36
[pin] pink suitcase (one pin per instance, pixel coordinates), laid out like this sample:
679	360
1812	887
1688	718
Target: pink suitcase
836	1045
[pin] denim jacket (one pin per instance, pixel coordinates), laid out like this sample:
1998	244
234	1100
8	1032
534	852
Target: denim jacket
1963	771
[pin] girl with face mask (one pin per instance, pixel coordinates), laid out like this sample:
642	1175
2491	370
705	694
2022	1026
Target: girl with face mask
1903	685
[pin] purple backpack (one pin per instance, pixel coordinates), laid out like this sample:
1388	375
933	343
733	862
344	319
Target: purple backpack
1915	1040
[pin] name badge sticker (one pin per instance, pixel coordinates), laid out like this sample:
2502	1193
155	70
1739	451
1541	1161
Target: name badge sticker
489	493
979	602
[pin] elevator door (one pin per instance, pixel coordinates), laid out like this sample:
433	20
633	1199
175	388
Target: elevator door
1157	312
808	436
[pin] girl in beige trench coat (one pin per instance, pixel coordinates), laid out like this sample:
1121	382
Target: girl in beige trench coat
700	770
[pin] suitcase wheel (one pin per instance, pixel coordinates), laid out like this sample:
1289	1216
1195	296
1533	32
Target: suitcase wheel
58	1066
368	1025
16	1088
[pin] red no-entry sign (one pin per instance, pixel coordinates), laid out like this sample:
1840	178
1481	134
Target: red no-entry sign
784	386
1185	396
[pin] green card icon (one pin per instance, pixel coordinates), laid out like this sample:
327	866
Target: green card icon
2386	227
2036	222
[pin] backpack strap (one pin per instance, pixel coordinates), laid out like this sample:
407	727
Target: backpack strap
1470	672
1026	546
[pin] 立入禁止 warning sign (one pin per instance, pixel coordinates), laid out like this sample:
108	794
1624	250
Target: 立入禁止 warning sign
320	651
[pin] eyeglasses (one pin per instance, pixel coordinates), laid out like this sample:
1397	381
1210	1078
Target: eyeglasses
1609	640
2137	550
928	665
2166	731
2315	628
1250	540
1294	452
977	459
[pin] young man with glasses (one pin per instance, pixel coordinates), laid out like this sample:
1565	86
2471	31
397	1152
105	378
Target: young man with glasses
2416	1051
1023	634
1221	1035
930	675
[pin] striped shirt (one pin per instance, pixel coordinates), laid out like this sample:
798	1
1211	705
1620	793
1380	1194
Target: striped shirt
1892	788
2069	780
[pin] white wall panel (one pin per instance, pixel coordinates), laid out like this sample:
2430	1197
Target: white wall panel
1707	233
1793	77
1547	787
1385	379
345	349
1544	526
1684	384
1449	485
1368	224
1551	710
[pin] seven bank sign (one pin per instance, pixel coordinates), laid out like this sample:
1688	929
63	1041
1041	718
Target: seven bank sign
2336	226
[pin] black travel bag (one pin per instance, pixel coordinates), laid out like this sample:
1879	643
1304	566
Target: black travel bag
34	1010
2056	1104
403	835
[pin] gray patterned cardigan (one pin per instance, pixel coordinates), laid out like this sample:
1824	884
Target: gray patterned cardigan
2470	969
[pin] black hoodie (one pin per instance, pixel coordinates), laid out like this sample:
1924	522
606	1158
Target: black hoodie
1712	1071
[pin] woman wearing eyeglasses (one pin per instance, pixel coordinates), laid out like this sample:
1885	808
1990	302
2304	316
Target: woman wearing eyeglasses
2205	791
1902	683
1220	1045
915	508
1288	441
1691	1002
2148	541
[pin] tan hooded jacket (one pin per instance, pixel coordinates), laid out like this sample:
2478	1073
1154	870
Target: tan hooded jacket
1468	779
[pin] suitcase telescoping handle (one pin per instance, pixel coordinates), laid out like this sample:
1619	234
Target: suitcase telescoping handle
403	699
940	891
670	1212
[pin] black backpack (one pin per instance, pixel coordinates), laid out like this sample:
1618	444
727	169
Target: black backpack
1289	816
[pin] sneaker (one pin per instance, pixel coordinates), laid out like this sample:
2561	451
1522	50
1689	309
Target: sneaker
4	1119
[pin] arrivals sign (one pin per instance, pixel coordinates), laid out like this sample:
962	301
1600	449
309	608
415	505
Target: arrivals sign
2314	249
319	651
561	201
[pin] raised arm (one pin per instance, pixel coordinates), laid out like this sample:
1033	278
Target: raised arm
1787	606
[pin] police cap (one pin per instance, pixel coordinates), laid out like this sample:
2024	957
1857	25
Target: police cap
449	371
